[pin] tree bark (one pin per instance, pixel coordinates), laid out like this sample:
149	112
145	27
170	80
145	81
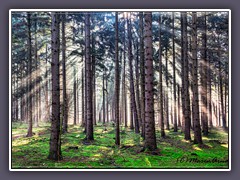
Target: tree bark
117	83
94	80
83	100
150	136
89	134
167	104
142	74
30	108
187	118
65	103
36	113
196	120
137	85
132	91
224	124
161	84
204	117
103	91
182	77
179	107
75	96
55	138
174	79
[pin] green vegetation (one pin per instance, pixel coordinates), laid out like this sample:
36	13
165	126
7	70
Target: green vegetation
174	152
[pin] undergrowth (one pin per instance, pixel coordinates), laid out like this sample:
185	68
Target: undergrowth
175	152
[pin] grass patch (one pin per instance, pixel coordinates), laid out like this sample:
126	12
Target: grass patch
102	152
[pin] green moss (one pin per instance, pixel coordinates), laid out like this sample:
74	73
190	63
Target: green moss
102	152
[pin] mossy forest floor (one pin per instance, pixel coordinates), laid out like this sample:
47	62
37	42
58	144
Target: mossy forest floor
175	152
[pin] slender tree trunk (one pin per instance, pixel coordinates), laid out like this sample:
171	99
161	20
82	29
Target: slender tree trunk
77	99
30	108
17	103
103	91
150	136
131	116
83	117
65	104
179	107
75	96
117	83
161	84
167	104
28	89
37	87
22	96
209	95
196	120
204	117
94	80
187	118
142	74
47	117
174	80
39	101
89	135
85	89
55	138
182	77
224	124
107	103
137	85
226	96
132	91
217	104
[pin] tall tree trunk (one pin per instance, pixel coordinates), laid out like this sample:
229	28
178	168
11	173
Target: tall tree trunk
83	100
78	122
28	89
37	87
161	84
55	138
179	107
117	83
196	120
167	104
131	116
47	117
89	135
85	89
132	91
22	96
65	102
174	79
182	77
150	136
187	118
17	103
103	91
142	74
224	124
75	96
94	80
122	112
137	85
39	101
226	95
107	103
30	108
209	93
204	117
